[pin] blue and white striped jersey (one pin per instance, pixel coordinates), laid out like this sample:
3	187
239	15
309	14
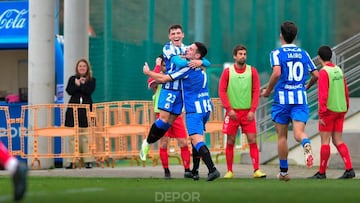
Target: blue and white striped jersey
170	50
296	65
195	92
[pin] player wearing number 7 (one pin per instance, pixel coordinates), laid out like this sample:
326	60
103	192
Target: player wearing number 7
291	66
197	101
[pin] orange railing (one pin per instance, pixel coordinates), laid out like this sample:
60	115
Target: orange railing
115	131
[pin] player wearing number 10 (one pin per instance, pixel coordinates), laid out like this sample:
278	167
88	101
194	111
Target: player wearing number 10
291	66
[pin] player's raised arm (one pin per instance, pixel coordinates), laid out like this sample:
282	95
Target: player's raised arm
159	77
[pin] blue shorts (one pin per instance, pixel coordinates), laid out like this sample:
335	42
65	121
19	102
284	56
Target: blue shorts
286	113
195	122
171	101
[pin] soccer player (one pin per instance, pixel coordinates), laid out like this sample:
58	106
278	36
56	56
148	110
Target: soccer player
170	99
18	171
177	129
239	91
333	98
291	66
197	102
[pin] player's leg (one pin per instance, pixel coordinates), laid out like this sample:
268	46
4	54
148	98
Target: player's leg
18	171
179	132
195	124
254	155
199	143
300	115
324	153
230	128
157	131
300	136
185	156
196	163
281	117
229	154
342	147
282	132
159	127
164	156
248	127
325	127
345	155
169	110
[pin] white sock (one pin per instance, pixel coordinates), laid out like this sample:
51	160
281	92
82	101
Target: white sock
145	142
11	164
283	173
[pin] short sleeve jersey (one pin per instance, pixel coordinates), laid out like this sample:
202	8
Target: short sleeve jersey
170	50
195	91
296	65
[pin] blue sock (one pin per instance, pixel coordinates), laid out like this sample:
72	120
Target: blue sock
284	163
305	141
162	125
199	145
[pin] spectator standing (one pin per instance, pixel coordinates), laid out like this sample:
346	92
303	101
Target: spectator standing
80	87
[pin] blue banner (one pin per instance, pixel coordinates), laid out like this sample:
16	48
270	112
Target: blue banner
14	24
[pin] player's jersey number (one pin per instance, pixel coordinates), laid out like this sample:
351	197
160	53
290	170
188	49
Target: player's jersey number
170	99
296	71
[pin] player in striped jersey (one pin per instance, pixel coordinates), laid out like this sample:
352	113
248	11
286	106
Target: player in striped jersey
197	101
170	99
291	67
177	129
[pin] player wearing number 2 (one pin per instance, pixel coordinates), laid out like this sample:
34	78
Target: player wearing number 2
291	66
170	99
197	101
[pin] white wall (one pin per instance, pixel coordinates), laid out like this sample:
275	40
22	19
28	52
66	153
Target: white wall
13	68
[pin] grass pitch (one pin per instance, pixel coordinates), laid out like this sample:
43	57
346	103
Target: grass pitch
143	190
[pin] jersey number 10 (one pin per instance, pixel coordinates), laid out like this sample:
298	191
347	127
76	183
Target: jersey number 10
296	71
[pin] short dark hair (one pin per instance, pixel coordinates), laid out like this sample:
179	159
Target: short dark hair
201	49
289	31
325	53
237	48
161	56
174	27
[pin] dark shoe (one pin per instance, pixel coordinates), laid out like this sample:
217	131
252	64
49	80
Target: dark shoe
88	165
318	176
188	174
71	166
19	181
195	175
167	174
212	176
348	174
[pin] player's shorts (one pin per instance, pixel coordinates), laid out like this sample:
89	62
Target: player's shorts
231	127
171	101
177	129
286	113
334	122
195	122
